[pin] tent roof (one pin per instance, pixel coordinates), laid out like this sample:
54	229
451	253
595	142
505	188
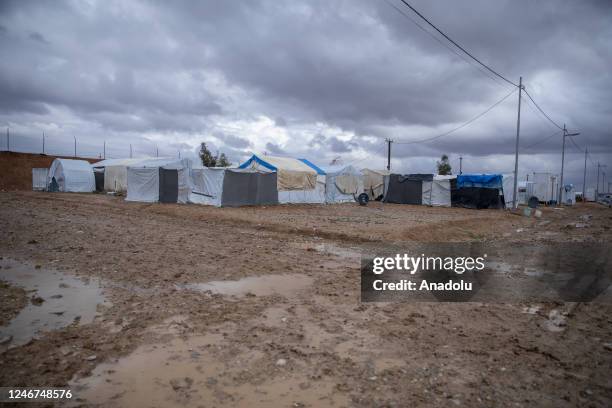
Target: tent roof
342	169
274	163
78	165
479	180
377	171
319	170
444	177
136	162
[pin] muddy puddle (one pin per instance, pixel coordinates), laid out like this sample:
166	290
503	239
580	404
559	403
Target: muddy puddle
204	370
55	300
265	285
331	249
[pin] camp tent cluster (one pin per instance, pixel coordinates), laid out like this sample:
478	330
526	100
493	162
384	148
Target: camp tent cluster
269	180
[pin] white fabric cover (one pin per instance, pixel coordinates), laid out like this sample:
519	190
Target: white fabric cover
207	186
143	184
508	186
342	184
374	182
72	175
441	191
143	181
314	196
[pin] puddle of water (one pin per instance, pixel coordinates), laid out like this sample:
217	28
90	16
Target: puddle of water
265	285
327	248
338	251
200	371
67	299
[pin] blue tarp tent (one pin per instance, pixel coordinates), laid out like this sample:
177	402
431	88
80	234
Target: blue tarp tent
478	191
479	180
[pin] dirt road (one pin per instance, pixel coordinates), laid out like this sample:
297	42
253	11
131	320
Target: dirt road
182	308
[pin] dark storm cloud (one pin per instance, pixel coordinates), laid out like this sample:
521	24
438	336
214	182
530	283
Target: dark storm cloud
38	37
232	140
274	148
123	70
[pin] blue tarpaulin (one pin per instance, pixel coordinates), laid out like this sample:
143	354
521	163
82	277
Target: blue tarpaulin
314	166
479	180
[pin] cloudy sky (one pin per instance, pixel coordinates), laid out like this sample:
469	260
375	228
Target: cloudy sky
315	79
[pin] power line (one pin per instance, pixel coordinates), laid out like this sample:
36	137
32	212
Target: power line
457	45
543	140
543	113
460	126
379	150
445	45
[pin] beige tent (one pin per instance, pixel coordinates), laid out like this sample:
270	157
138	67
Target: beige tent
374	182
297	182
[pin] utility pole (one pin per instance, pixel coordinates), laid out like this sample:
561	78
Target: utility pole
8	140
516	148
597	188
389	141
43	142
104	150
130	150
561	188
460	165
562	162
586	149
179	152
156	151
74	146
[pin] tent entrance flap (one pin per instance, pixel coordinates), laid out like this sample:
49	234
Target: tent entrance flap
168	185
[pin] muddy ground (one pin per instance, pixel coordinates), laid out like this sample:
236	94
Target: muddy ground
159	333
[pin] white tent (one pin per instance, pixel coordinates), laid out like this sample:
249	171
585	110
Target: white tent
71	176
374	182
438	191
207	185
115	170
342	184
297	181
164	183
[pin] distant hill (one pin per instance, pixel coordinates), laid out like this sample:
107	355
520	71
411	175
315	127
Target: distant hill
16	168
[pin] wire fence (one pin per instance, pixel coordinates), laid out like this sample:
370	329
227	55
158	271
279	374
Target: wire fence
54	145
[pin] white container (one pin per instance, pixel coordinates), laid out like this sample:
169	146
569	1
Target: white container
545	187
589	194
569	194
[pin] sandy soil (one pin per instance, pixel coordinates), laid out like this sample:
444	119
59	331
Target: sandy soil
165	336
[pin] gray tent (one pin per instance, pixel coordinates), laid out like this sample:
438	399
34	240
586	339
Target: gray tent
223	187
407	189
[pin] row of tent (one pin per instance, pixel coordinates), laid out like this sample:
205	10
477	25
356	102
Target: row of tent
267	180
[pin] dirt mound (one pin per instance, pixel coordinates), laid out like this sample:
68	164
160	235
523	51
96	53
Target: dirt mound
16	168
